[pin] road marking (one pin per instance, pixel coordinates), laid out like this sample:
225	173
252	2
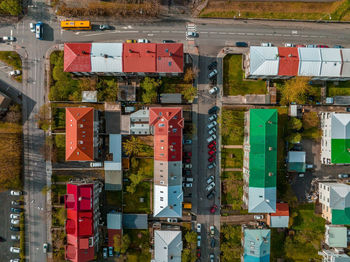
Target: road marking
222	33
241	33
287	35
250	34
150	34
305	36
113	32
146	31
294	32
179	32
165	31
268	34
278	34
77	33
213	32
259	34
203	32
232	33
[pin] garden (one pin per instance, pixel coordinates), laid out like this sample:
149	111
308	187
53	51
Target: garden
341	88
230	239
232	126
13	60
232	191
231	158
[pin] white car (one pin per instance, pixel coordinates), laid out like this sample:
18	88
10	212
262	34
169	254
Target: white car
15	237
301	175
143	41
212	131
187	184
14	216
15	193
199	241
15	203
257	217
210	186
14	260
212	257
14	221
32	27
188	166
266	44
171	220
210	180
199	227
212	230
189	179
15	249
212	124
213	90
192	34
8	38
289	45
212	165
45	247
213	117
213	73
96	164
211	138
15	73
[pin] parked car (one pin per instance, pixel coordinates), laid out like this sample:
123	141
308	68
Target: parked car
300	46
212	158
192	34
198	252
241	44
187	141
8	39
199	227
338	46
15	249
14	221
110	251
210	180
211	165
289	45
212	65
189	179
188	166
143	41
212	131
15	260
210	186
213	209
188	154
32	27
266	44
322	46
309	166
311	46
301	174
168	41
343	175
131	41
212	73
45	248
212	230
15	237
187	184
257	217
199	240
297	147
104	252
16	210
15	203
187	160
14	216
211	195
213	110
172	220
15	73
211	138
212	124
213	117
188	172
105	27
212	257
212	242
13	228
213	90
15	193
96	164
212	144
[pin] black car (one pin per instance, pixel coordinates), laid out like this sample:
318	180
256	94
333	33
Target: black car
241	44
297	147
168	41
348	109
212	242
13	228
187	172
213	110
211	195
16	210
212	65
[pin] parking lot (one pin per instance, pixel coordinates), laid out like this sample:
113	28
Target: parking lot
5	232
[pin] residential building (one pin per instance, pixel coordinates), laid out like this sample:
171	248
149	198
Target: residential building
123	58
139	122
333	256
296	161
335	200
82	205
287	62
113	168
260	160
335	143
79	134
114	226
167	124
256	245
280	218
167	246
336	236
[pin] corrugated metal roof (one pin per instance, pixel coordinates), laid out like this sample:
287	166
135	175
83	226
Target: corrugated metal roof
171	206
336	236
331	62
106	57
167	246
345	71
296	156
263	60
140	116
279	221
341	100
340	126
257	244
170	98
262	200
114	220
288	61
115	147
310	61
135	221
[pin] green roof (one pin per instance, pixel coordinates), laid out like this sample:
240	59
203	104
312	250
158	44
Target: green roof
263	148
340	153
341	217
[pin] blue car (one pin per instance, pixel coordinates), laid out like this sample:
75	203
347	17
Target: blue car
110	251
16	210
187	142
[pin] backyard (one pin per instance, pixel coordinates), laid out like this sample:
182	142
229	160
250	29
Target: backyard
233	79
341	88
232	158
232	190
139	201
232	126
230	238
138	250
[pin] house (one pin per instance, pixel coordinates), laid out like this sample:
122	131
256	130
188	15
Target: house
135	221
167	124
4	102
123	58
114	226
79	134
335	200
336	236
139	122
296	161
167	246
287	62
281	217
335	143
256	245
260	161
82	205
113	169
333	256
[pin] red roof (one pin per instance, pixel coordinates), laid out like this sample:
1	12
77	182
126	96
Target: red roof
111	234
170	58
139	57
79	134
168	124
282	209
79	223
77	57
288	61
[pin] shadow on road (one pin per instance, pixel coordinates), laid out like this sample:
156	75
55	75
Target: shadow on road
48	33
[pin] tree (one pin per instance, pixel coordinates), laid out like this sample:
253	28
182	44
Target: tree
294	138
295	124
310	120
12	7
133	146
149	90
295	90
117	243
43	117
107	90
191	238
189	75
135	180
125	244
189	93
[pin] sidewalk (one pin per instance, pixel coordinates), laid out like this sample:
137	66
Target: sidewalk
232	169
232	146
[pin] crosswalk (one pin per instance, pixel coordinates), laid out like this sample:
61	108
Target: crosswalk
190	27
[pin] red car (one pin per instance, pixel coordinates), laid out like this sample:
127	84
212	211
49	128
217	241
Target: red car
187	160
212	144
213	209
188	154
214	149
211	152
322	46
300	46
211	159
198	252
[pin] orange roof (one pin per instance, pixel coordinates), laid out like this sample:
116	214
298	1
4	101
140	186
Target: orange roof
288	61
282	209
79	134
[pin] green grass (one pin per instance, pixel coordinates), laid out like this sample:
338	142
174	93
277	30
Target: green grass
147	164
340	89
61	178
12	59
114	198
138	250
60	143
277	244
232	175
58	216
58	118
232	158
132	201
232	126
233	76
232	190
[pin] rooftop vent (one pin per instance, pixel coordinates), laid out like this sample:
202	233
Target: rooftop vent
270	148
105	56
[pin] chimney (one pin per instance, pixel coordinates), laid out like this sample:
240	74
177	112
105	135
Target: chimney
105	56
270	148
170	54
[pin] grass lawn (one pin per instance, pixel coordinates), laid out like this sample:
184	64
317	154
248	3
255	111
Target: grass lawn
232	190
178	85
58	117
147	164
342	88
61	178
139	248
132	202
230	239
277	244
232	158
60	144
232	175
278	10
232	126
114	198
58	216
233	79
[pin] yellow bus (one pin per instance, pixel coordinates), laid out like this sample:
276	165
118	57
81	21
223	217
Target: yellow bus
76	25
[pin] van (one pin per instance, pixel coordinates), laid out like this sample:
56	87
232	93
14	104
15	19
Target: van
187	205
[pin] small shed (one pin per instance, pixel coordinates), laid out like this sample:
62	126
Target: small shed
135	221
89	96
336	236
281	217
114	226
296	161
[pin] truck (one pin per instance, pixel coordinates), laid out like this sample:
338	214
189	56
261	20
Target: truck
187	205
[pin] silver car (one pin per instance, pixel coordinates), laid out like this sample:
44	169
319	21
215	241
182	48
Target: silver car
210	186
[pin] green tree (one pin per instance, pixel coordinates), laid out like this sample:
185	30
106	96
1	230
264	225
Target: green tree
107	89
133	146
294	138
189	92
231	244
135	180
295	124
117	243
43	117
125	244
12	7
191	238
295	90
150	90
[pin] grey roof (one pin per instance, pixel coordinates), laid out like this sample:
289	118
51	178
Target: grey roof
140	129
341	100
296	157
115	148
262	200
331	62
113	169
4	101
135	221
112	122
345	72
279	221
171	98
140	116
309	61
114	220
106	57
256	243
336	236
263	60
339	196
340	126
167	246
89	96
113	180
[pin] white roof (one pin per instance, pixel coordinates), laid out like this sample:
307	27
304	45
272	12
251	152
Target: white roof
309	61
171	204
339	196
296	157
106	57
167	246
263	60
345	72
262	200
331	62
340	125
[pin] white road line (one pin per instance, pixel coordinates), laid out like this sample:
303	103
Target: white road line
278	34
250	34
155	31
305	36
287	35
269	34
150	34
259	34
203	32
213	32
232	33
165	31
113	32
222	33
241	33
179	32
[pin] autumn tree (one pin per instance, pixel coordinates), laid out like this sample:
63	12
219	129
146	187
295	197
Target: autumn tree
132	146
189	75
189	92
135	179
43	117
125	243
150	90
295	90
11	7
295	123
294	138
117	243
310	120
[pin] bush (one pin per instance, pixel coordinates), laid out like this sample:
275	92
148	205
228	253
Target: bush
11	58
11	7
150	90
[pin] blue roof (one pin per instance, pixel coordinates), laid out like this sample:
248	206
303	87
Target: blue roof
257	245
135	221
248	258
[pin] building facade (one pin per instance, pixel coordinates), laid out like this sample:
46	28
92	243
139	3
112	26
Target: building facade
256	245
